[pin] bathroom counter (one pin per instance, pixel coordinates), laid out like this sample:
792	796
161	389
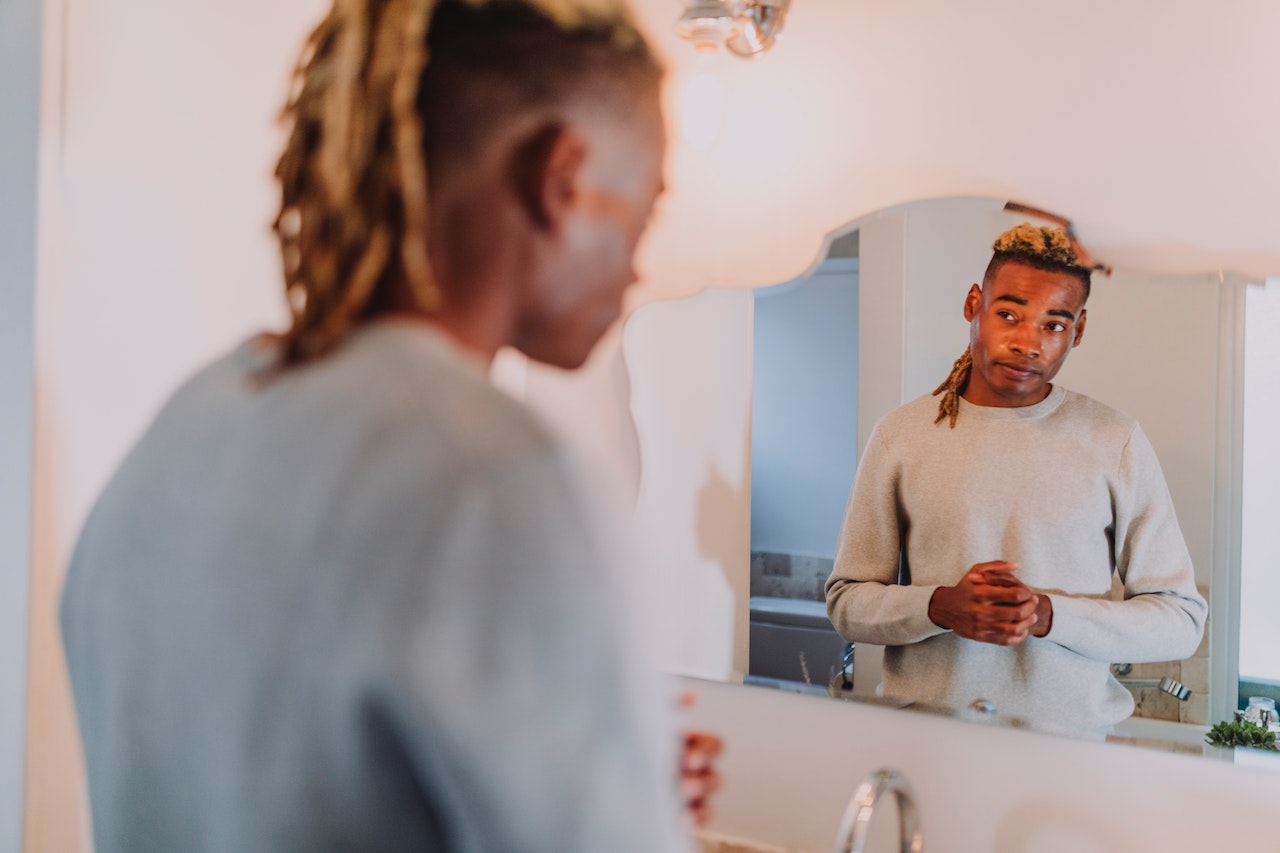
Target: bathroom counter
791	763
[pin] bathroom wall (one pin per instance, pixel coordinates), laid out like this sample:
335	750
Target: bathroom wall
1152	130
696	355
1260	582
1155	131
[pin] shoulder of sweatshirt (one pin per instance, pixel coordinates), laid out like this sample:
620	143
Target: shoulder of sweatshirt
918	414
1103	421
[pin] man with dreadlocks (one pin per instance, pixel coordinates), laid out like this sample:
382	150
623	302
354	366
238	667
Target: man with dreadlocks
982	534
342	594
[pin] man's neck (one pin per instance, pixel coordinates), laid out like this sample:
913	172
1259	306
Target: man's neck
994	401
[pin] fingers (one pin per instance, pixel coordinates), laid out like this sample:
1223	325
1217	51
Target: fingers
994	568
1005	591
1001	633
1021	609
1004	633
995	583
1004	580
696	793
1003	596
1002	621
700	748
989	604
698	776
998	573
701	781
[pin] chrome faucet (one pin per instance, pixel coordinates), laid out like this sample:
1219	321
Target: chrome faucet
855	826
846	667
1168	685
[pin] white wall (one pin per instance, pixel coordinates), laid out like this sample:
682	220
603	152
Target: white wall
1260	552
694	351
19	106
1152	125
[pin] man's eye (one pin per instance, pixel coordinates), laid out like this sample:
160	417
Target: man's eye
1005	314
1057	327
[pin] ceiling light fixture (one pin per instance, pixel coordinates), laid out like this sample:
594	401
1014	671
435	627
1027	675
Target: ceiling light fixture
746	28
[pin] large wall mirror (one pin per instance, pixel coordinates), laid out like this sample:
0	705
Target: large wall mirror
753	408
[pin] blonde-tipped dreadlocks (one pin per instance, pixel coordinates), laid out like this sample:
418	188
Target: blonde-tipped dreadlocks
352	184
353	175
952	387
1043	247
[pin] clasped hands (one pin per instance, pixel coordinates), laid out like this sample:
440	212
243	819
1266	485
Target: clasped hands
699	777
991	605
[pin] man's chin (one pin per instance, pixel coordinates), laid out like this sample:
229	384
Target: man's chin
571	346
566	355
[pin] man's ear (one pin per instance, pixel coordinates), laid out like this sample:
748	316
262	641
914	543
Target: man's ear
1084	315
545	172
971	302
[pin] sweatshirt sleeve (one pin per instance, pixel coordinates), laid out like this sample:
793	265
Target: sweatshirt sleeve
1162	614
865	601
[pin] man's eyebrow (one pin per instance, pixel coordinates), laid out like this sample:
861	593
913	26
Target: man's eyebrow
1018	300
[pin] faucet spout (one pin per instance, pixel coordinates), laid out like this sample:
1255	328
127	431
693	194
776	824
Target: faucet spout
855	826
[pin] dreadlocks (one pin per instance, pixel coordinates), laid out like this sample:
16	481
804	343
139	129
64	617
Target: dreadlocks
384	90
1042	247
952	387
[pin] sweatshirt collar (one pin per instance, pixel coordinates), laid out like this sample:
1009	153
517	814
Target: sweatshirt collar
1050	404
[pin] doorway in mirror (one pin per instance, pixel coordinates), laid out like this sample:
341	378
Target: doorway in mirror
804	393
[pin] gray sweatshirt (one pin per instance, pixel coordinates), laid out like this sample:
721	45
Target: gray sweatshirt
358	608
1071	491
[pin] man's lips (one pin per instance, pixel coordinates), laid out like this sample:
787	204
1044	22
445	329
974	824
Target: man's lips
1017	371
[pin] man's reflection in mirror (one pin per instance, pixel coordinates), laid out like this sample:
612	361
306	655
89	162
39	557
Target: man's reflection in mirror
983	530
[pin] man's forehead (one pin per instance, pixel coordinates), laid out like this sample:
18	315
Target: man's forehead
1023	284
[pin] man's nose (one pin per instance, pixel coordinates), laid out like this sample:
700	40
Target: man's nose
1024	341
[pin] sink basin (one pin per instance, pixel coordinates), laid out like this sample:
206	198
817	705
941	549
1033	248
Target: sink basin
1145	728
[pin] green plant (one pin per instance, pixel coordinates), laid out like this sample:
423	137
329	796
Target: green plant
1242	733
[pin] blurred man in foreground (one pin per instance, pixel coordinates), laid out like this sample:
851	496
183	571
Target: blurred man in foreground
343	595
